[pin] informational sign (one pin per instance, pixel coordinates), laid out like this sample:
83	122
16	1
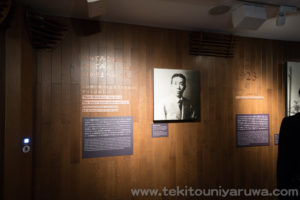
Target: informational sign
102	103
276	139
107	136
160	130
106	83
252	129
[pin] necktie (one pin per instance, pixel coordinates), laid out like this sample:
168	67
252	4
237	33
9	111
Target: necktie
180	109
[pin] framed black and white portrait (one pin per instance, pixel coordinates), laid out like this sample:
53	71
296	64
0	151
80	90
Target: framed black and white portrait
293	88
176	95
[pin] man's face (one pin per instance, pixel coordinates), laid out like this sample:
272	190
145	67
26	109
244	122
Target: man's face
178	86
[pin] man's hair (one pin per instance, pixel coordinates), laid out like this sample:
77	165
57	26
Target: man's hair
180	76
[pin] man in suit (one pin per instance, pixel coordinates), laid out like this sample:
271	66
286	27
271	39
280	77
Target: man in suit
288	163
176	106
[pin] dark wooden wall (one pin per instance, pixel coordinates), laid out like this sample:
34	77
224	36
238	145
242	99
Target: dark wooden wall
2	105
19	110
199	154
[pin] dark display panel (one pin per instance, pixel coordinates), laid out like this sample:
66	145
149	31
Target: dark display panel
160	130
106	136
252	129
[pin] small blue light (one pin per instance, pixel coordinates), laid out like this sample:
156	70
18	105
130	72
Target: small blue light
26	140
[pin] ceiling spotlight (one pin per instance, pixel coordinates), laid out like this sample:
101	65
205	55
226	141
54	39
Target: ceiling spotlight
280	21
219	10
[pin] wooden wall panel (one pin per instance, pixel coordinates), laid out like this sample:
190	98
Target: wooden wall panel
199	154
19	110
2	106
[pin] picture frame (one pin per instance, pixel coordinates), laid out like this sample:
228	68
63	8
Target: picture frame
292	88
176	95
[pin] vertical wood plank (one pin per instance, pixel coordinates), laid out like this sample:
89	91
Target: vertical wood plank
2	107
18	113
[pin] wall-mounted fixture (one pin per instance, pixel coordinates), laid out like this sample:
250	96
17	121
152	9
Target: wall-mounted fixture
44	32
212	44
26	145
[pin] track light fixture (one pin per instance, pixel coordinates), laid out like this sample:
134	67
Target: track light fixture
281	17
280	21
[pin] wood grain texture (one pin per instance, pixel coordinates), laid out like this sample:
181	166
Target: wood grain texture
19	106
2	107
201	154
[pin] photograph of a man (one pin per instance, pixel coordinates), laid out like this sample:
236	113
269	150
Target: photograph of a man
293	83
176	95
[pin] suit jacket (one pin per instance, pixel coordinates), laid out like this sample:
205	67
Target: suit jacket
288	162
178	109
